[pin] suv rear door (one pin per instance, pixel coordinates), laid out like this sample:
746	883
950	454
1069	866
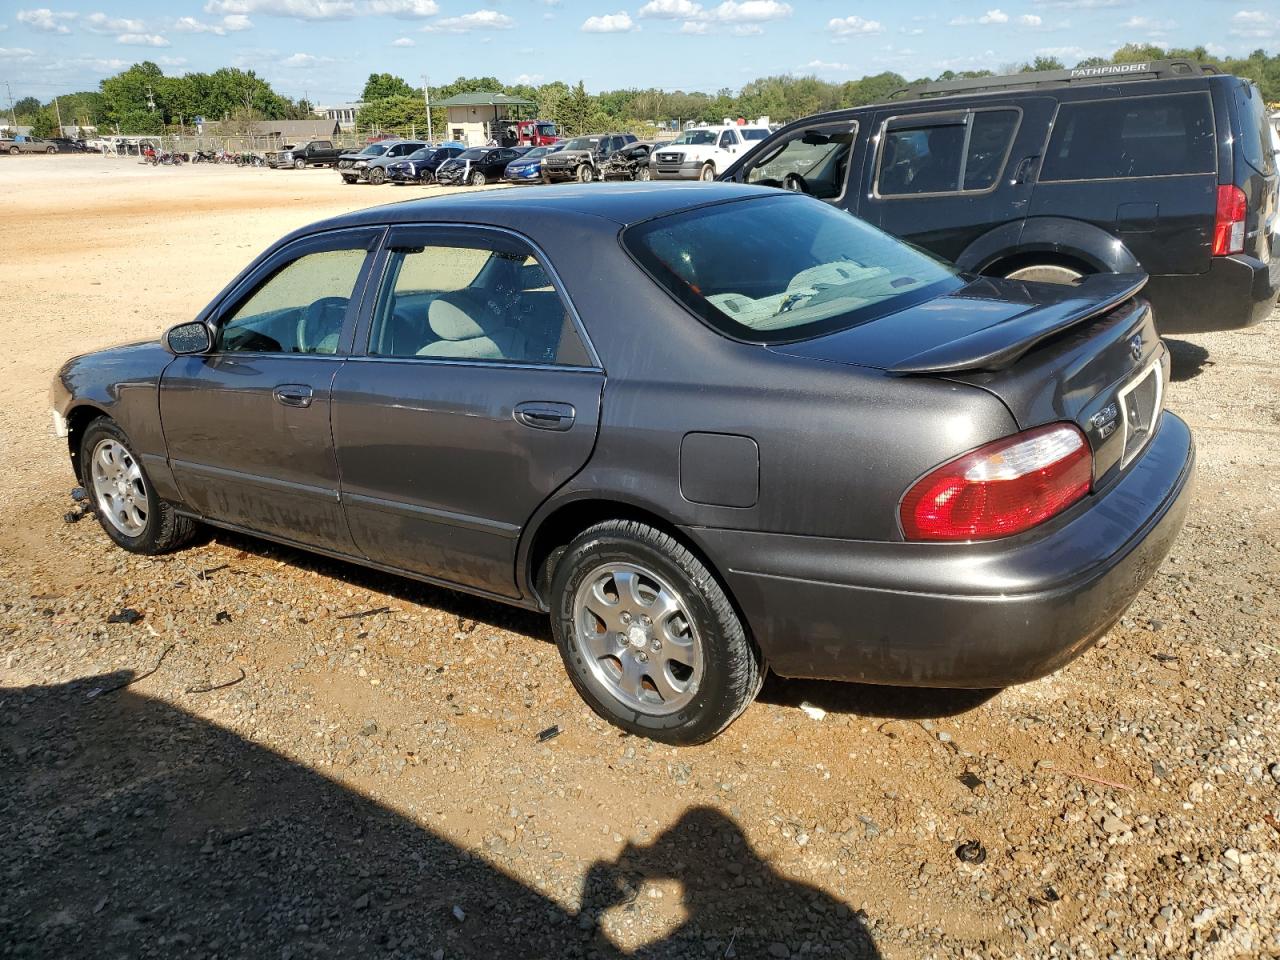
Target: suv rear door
943	177
1255	172
1142	168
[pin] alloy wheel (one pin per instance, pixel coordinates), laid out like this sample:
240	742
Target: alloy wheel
637	637
118	487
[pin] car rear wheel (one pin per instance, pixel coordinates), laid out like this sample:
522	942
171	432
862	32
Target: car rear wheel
648	636
586	174
1045	273
707	173
125	501
478	179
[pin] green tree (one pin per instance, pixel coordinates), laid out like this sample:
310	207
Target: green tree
379	86
27	107
45	123
577	111
394	113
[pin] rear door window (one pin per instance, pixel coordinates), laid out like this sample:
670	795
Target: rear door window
1255	129
957	152
1126	137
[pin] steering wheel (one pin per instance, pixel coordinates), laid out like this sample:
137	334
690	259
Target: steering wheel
795	183
320	322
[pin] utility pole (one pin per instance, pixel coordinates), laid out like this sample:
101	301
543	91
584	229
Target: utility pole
151	99
13	117
58	111
426	97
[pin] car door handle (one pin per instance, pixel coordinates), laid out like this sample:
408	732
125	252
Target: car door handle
293	394
1022	173
545	416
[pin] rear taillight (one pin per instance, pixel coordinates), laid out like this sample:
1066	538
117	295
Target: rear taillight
1001	489
1228	224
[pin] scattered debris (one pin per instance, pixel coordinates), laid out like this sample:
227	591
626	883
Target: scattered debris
1091	779
217	686
459	914
361	614
1164	657
812	710
222	617
971	851
1045	897
79	494
99	691
970	780
126	615
550	733
1272	822
208	574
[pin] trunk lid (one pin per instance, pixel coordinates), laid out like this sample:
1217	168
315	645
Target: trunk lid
1088	353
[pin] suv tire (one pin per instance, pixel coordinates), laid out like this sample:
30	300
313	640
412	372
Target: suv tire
680	627
707	173
585	174
377	176
299	164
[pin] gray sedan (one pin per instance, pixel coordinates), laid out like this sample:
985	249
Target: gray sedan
711	430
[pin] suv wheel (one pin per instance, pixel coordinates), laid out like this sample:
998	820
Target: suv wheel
707	173
377	175
299	164
1045	273
13	151
647	635
585	173
125	502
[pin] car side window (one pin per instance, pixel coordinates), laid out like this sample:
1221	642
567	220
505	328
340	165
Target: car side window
812	160
300	308
944	153
473	298
1161	136
726	140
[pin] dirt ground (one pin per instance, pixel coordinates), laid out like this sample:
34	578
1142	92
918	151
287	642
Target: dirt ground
375	784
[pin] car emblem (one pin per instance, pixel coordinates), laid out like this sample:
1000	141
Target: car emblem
1135	346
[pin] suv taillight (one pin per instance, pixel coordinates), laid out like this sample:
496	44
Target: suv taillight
1228	225
1000	489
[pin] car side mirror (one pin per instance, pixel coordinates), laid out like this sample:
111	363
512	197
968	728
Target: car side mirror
189	338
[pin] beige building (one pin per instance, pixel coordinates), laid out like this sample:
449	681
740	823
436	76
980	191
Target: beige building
477	118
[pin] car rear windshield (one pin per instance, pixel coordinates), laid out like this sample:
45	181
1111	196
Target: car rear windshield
776	269
475	153
752	133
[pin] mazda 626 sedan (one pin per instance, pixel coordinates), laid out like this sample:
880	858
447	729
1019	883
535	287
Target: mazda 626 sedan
711	430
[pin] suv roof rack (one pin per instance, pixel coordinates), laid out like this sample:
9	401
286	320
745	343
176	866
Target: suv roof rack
1105	73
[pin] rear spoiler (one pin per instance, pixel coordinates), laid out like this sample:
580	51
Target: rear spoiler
998	347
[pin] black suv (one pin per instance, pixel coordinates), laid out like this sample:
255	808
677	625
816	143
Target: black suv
1162	167
582	158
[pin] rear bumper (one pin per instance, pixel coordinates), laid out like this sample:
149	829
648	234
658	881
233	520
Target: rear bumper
978	615
1236	292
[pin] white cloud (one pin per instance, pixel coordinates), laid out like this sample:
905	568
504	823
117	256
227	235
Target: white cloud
404	42
1084	4
297	9
46	20
1253	24
996	16
1149	24
619	22
142	40
98	64
16	54
101	23
853	26
531	79
1065	54
750	11
747	30
172	61
299	60
1029	20
695	27
822	66
404	9
671	10
232	23
477	20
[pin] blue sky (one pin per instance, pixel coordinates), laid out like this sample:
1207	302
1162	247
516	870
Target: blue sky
326	48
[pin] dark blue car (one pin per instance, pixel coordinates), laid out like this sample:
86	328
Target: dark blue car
528	169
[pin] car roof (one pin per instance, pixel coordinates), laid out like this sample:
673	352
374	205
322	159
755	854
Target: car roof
623	204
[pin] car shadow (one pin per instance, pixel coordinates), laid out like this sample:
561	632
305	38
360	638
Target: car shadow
500	616
133	828
873	700
1187	360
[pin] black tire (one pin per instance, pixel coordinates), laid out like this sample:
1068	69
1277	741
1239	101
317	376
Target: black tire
348	180
707	173
165	529
300	164
478	179
585	174
732	671
13	151
377	176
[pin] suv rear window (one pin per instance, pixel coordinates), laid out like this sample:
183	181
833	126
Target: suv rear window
945	153
1160	136
777	269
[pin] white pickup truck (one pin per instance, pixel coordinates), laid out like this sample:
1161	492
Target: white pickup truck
701	152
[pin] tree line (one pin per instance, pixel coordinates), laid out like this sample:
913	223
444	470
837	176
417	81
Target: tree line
142	100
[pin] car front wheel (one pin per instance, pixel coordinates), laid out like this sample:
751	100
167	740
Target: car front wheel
13	151
644	173
649	637
585	174
707	173
477	179
299	164
377	176
125	502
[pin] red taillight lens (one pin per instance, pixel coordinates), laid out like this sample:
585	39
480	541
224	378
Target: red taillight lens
1228	225
1001	489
